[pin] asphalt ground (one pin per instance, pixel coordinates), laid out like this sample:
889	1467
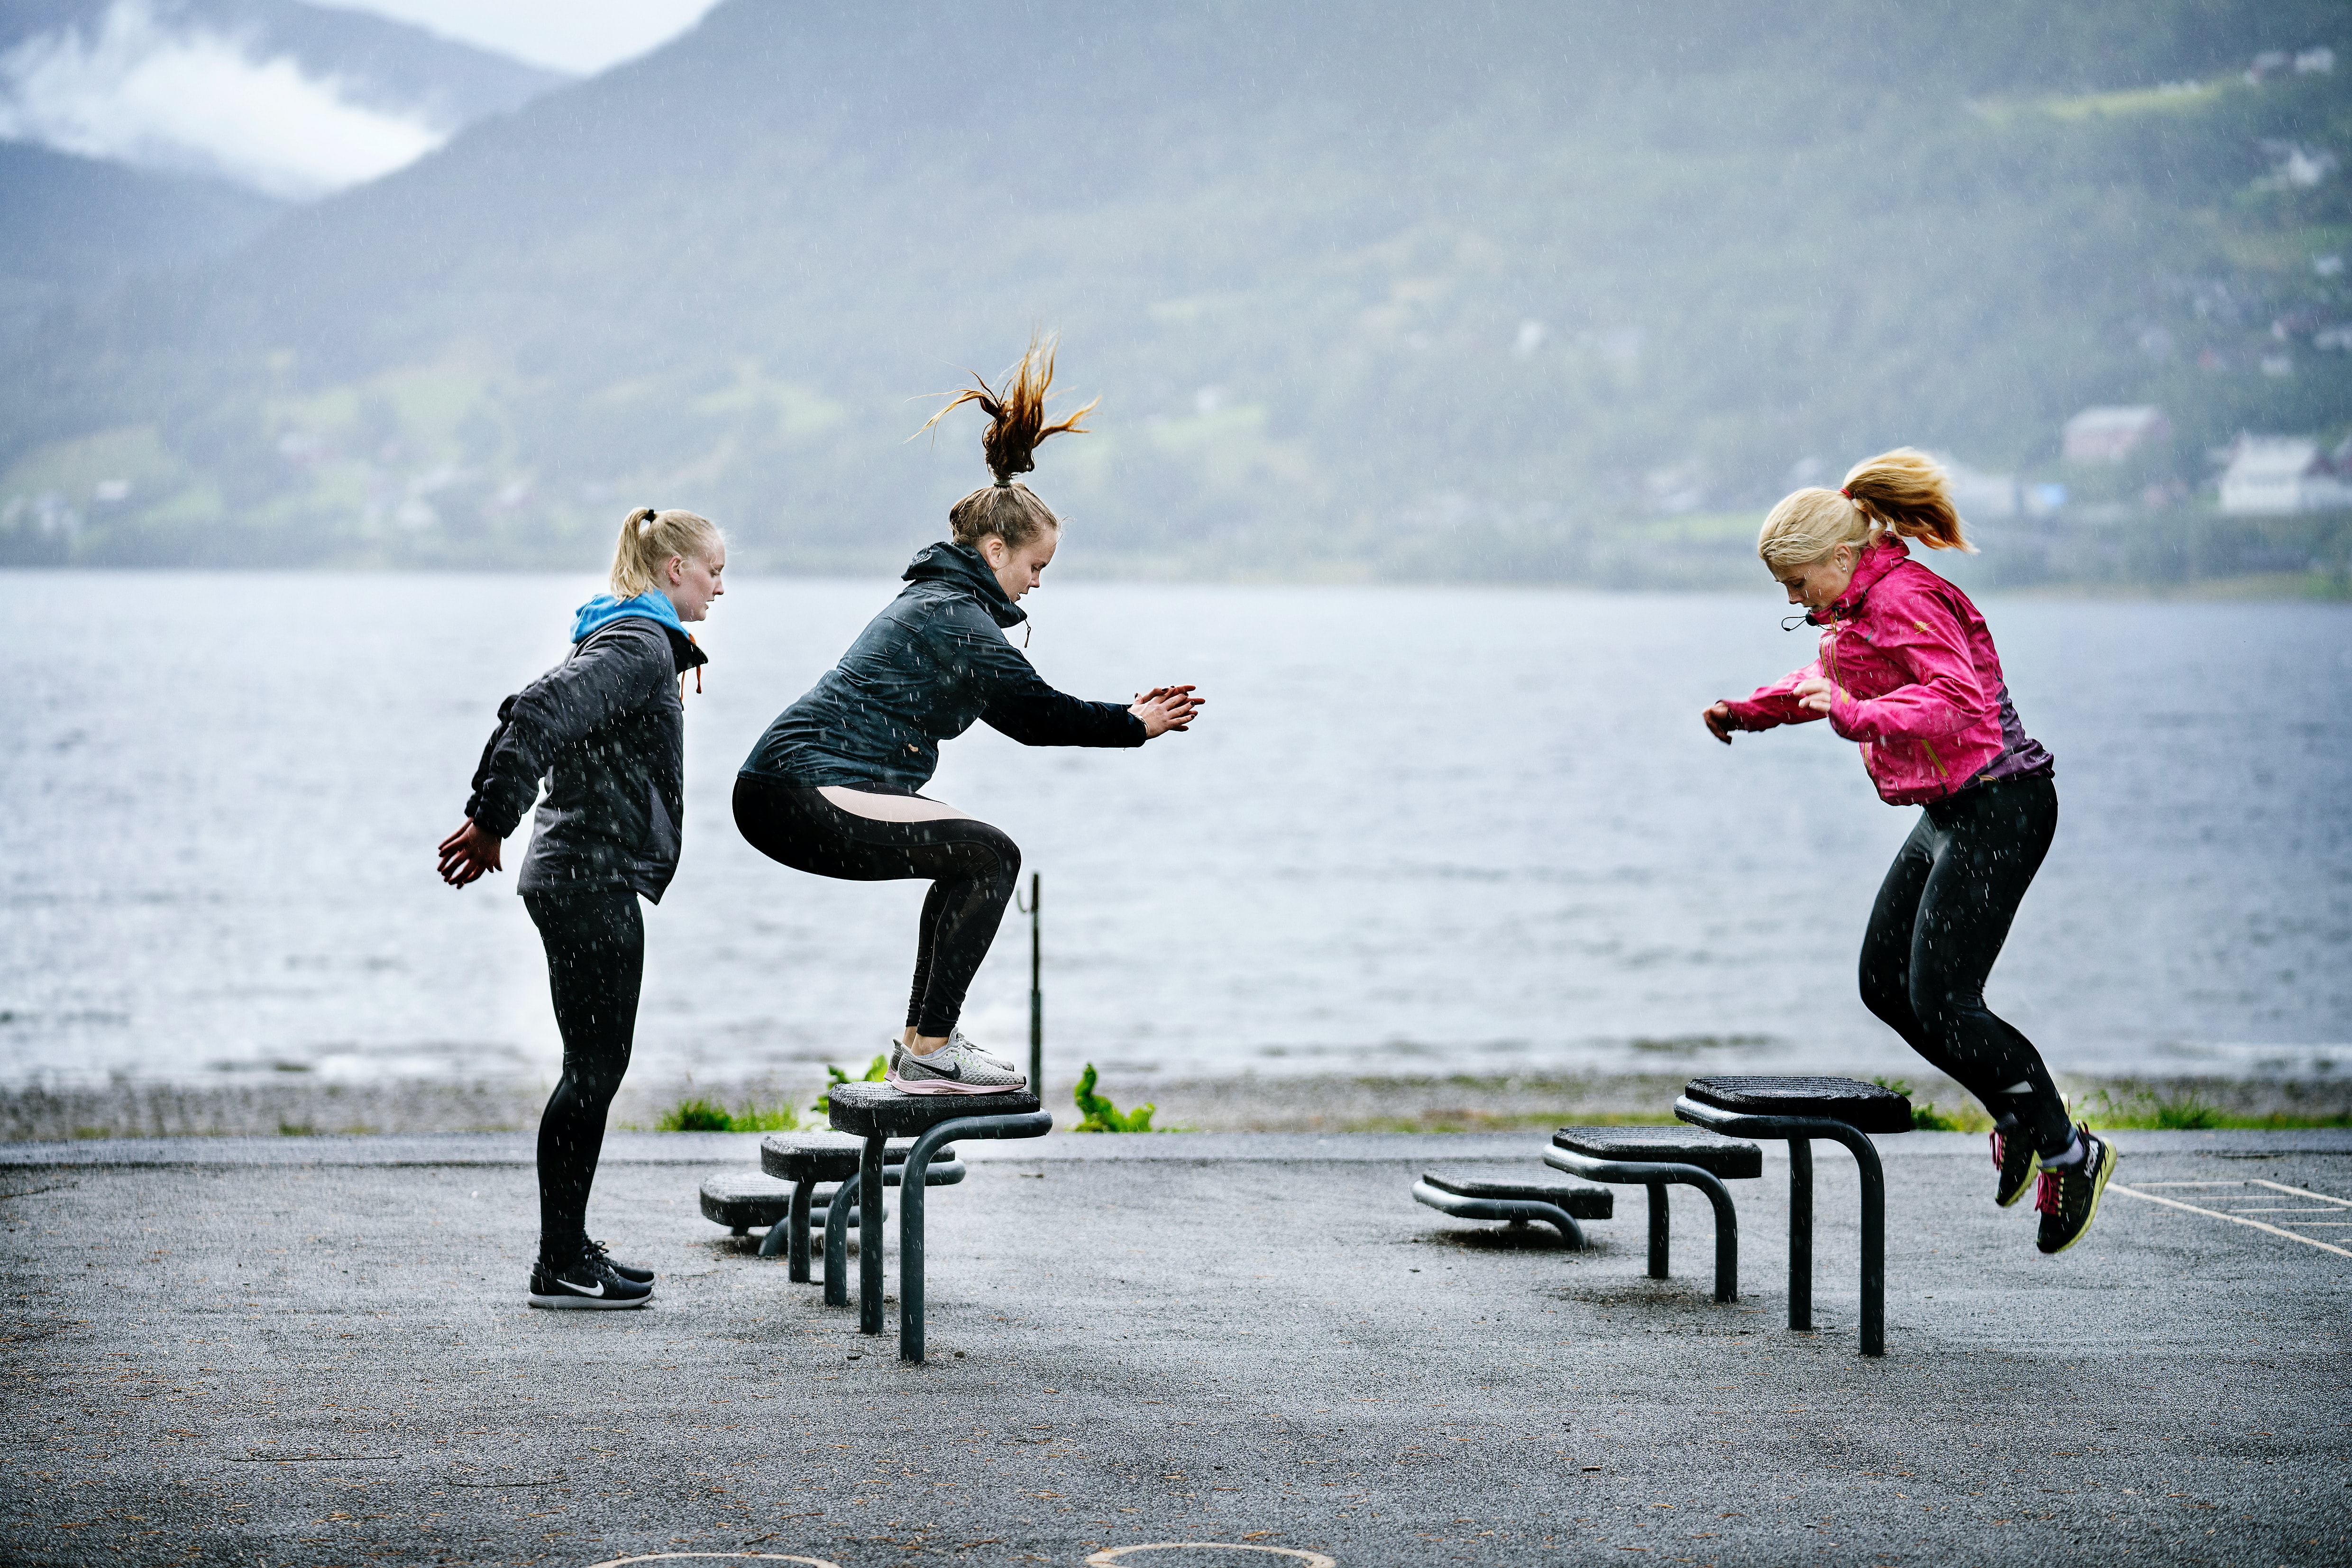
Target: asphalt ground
296	1351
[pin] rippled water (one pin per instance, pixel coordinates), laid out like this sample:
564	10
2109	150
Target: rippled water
1418	830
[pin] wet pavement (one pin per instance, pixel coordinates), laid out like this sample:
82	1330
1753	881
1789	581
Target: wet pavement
310	1351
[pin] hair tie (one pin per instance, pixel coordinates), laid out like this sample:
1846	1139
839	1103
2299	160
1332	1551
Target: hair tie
1845	492
646	523
1004	481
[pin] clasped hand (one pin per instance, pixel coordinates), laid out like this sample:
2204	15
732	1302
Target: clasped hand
1166	708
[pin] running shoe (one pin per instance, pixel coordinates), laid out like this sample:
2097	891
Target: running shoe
586	1282
899	1052
2069	1198
636	1273
2015	1158
957	1068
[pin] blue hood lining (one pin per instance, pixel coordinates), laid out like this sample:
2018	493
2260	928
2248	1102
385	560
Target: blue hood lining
607	608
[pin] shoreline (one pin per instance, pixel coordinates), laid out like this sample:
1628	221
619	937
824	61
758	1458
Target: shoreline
1431	1103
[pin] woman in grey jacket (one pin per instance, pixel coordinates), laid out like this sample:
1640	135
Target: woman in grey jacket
833	787
606	730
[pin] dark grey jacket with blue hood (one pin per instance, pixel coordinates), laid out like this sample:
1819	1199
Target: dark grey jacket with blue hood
606	731
933	661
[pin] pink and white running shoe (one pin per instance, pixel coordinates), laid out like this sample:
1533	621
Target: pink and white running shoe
957	1068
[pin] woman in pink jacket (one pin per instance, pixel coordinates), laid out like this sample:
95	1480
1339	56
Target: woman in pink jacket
1908	668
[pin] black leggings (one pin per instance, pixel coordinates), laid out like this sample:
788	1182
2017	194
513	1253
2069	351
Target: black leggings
971	867
596	961
1941	917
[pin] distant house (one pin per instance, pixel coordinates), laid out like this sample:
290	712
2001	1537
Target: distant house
2271	476
2111	434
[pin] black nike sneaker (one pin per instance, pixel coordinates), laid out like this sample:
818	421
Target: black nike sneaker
2014	1157
587	1281
634	1274
2069	1199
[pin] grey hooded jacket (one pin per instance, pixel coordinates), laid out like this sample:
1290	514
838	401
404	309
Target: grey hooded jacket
606	733
933	661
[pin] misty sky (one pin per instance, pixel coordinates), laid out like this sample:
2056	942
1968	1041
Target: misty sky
186	92
577	36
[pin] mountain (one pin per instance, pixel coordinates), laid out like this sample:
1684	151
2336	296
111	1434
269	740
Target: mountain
77	226
1484	289
289	100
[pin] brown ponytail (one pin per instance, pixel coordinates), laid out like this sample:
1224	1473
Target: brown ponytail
1904	491
1901	492
1017	428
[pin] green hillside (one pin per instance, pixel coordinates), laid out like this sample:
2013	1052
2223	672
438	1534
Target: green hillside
1562	291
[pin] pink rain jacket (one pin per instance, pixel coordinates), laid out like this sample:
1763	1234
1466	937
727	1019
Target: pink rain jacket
1917	681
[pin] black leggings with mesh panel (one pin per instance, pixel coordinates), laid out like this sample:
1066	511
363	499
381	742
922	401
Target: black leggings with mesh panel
1941	917
970	865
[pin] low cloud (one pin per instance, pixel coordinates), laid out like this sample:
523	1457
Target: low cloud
184	96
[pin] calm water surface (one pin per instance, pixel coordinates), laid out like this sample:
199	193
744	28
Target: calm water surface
1418	830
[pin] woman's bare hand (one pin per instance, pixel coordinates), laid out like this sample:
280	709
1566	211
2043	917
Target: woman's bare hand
467	854
1719	721
1166	708
1816	693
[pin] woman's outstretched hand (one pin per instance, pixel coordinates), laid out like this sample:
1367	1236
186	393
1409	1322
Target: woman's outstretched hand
1816	693
1166	708
1719	721
467	855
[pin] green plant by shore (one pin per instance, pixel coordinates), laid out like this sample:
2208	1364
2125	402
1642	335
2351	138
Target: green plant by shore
2188	1111
1101	1115
700	1115
1926	1116
876	1071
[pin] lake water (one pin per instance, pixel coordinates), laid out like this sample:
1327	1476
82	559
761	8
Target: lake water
1418	830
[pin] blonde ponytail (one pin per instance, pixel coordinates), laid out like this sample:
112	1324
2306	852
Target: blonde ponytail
648	539
1017	428
1901	492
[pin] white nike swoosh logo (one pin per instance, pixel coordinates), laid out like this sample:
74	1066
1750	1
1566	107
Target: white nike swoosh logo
582	1290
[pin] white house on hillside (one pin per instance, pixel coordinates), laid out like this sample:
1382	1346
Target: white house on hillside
2109	435
2270	476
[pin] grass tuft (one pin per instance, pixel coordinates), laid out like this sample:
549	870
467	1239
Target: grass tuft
876	1071
1926	1116
697	1115
700	1115
1101	1115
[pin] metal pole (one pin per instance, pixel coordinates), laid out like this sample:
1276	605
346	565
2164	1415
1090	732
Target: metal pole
1037	985
1658	1230
870	1233
1801	1233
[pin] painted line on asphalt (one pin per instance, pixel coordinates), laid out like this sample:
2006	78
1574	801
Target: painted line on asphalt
726	1556
1109	1556
2217	1214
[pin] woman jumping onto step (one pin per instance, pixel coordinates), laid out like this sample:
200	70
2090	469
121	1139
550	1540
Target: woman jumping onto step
833	786
1908	668
607	730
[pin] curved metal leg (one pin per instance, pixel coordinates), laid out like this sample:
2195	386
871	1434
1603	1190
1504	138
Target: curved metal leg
914	1183
1658	1211
869	1236
1726	1235
1517	1211
836	1247
1801	1233
1873	1237
802	1192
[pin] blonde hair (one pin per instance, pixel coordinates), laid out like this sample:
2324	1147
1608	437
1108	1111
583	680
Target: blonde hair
649	538
1901	492
1017	428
